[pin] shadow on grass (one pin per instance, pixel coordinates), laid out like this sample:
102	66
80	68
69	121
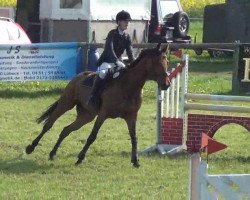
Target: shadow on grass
12	93
179	155
19	166
127	154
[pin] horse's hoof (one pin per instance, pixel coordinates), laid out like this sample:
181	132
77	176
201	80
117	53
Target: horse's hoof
51	156
29	149
135	162
78	162
136	165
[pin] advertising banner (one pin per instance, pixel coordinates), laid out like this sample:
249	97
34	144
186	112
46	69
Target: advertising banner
40	61
241	77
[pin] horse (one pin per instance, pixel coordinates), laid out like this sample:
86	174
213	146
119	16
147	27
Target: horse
122	97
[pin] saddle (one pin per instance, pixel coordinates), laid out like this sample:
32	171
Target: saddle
112	75
90	80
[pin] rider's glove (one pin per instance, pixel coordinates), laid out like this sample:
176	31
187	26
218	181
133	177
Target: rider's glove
120	64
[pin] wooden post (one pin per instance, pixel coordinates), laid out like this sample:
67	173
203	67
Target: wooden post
235	81
184	90
194	189
158	115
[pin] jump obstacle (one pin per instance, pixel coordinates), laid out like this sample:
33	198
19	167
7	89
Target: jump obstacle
203	186
178	129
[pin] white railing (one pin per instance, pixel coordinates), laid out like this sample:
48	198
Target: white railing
204	186
214	99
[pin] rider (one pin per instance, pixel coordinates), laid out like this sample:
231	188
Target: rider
116	42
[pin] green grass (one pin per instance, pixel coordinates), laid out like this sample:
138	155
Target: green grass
196	29
107	172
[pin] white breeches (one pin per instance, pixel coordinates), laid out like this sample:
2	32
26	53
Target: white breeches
103	69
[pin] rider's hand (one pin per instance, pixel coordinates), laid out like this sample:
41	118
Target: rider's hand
120	64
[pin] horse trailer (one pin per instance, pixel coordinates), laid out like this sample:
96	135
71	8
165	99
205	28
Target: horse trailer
90	21
80	21
226	23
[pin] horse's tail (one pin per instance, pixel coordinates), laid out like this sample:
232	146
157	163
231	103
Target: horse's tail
47	113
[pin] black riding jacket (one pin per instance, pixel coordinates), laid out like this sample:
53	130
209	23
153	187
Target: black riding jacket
115	46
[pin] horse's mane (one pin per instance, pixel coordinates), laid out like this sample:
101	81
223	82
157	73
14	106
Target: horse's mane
143	53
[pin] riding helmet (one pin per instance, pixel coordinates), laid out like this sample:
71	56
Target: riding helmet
123	16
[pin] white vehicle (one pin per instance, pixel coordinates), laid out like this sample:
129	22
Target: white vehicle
80	20
12	33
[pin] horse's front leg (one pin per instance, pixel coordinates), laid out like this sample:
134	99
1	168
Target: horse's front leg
92	137
131	122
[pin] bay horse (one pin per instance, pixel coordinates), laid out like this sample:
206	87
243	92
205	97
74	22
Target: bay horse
122	97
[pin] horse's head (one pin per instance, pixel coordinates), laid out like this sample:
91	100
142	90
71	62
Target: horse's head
157	65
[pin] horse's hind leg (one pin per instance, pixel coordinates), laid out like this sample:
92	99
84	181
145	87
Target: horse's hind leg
60	109
83	117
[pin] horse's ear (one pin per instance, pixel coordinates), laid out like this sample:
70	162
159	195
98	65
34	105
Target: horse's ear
166	50
158	47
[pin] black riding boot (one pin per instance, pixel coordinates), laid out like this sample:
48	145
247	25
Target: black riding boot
93	100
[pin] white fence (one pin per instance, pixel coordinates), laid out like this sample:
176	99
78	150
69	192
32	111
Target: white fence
204	186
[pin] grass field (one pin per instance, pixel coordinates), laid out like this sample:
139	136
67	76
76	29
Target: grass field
107	172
